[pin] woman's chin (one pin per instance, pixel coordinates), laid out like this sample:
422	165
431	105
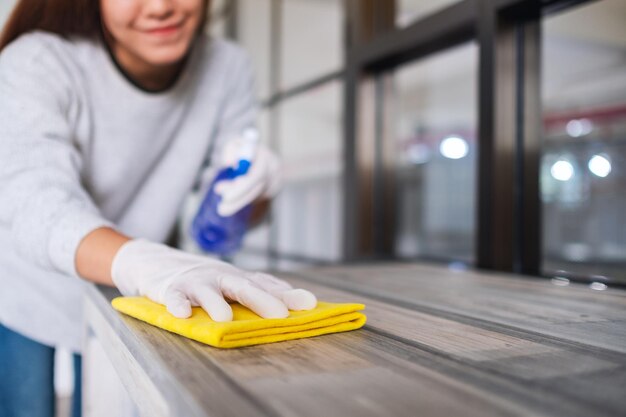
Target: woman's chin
165	55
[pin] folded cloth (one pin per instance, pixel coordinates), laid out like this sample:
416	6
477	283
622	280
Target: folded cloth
246	328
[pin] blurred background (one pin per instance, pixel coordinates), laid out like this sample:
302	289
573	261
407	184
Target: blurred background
404	181
471	133
380	111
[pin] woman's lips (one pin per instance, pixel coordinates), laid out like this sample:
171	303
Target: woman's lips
165	30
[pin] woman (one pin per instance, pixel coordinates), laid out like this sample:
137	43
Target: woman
108	110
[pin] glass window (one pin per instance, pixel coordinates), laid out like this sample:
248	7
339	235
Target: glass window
219	18
435	139
308	211
583	178
254	34
408	11
311	40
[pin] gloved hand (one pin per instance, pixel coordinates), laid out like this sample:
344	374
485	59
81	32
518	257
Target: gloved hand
262	180
180	280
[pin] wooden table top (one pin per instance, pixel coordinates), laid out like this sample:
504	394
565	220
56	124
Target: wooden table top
437	343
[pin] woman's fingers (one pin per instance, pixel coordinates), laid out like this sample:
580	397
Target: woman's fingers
177	303
260	301
266	295
294	298
263	303
263	178
298	299
212	302
238	193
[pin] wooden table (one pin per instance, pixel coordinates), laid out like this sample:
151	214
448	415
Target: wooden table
437	343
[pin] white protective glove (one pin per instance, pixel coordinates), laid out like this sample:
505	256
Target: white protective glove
262	180
180	280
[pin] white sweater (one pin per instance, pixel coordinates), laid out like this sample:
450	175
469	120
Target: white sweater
82	147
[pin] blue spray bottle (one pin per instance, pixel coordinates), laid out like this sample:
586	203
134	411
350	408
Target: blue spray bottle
224	235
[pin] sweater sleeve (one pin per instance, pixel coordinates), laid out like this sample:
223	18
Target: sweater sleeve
42	201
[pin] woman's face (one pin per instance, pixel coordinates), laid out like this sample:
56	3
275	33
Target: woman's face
157	32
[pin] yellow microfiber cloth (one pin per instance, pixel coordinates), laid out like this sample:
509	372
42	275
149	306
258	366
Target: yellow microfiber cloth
247	328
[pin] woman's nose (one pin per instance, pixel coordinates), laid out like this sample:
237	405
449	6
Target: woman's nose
159	8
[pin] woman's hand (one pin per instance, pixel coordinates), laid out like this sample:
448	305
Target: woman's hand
262	181
180	280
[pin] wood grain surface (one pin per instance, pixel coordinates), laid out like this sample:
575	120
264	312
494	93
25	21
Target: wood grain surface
437	343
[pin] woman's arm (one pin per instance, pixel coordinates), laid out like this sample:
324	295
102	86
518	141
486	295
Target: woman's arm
43	203
95	254
56	225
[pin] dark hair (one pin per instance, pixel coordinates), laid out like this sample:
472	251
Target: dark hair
63	17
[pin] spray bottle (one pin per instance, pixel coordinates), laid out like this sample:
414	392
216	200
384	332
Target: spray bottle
215	233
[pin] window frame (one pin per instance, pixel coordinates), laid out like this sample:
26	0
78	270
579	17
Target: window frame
508	35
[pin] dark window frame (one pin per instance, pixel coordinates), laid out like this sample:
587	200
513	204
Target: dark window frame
508	34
